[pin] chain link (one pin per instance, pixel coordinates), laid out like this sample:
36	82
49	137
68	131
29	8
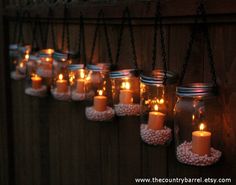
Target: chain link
126	16
81	44
65	28
200	14
158	17
101	17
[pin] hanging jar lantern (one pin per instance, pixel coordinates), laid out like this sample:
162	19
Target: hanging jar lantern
125	92
197	114
77	78
60	88
35	85
156	98
20	56
197	129
98	93
14	57
44	68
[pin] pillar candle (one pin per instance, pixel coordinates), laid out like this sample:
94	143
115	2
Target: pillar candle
156	120
100	102
80	86
201	141
126	96
36	82
61	85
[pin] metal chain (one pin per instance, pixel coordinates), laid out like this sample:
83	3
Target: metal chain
128	18
50	24
81	39
65	29
15	32
101	17
34	34
158	17
201	14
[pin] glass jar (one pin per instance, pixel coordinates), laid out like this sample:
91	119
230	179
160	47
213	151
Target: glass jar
44	68
77	78
197	125
35	84
98	93
60	87
126	92
156	107
19	56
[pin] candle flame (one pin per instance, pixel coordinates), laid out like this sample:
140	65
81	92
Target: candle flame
100	92
82	75
47	59
202	126
193	117
27	56
49	51
21	65
161	101
156	107
125	85
60	76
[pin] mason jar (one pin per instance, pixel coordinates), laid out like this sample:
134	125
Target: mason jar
19	56
157	106
197	124
35	84
44	68
77	78
126	92
98	93
60	86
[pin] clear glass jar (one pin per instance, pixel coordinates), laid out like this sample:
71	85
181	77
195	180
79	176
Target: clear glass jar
77	78
60	86
197	125
156	107
19	56
35	84
98	93
44	68
126	92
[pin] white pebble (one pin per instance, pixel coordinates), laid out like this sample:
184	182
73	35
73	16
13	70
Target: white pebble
36	92
127	109
94	115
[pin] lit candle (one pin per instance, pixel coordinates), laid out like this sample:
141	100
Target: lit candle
201	141
156	119
36	82
21	67
61	85
126	94
100	102
80	83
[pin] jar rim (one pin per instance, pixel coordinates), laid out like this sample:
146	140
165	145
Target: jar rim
74	67
44	53
123	73
99	67
196	89
156	77
13	47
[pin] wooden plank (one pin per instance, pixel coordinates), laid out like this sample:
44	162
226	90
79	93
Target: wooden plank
130	156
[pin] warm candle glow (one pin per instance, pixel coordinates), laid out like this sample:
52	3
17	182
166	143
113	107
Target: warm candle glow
82	75
193	117
48	59
161	101
202	126
125	85
26	56
100	92
60	76
50	51
155	107
21	65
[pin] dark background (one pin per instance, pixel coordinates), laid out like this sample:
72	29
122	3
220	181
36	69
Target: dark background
48	142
